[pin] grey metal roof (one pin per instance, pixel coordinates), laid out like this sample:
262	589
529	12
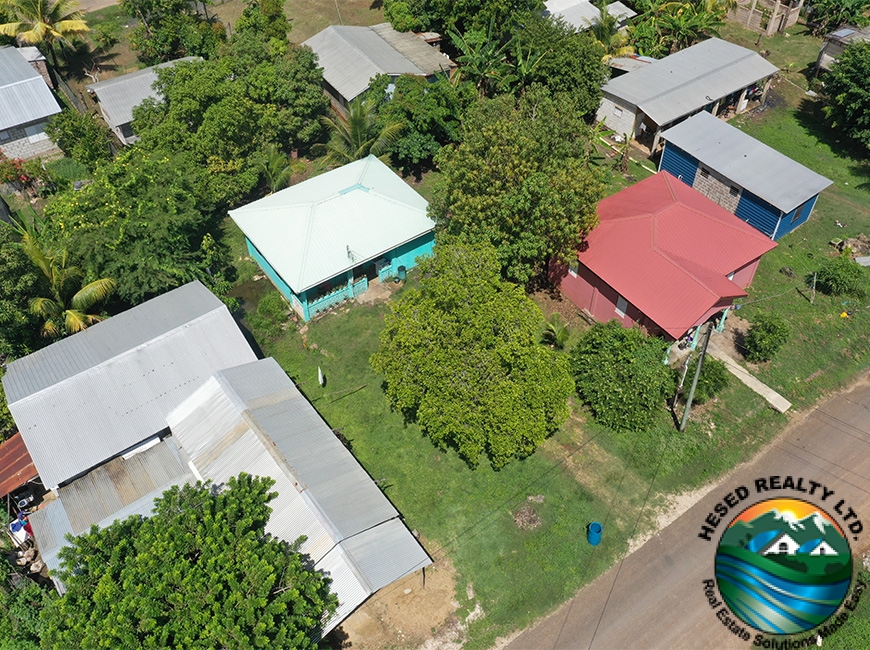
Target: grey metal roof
92	395
849	34
684	82
582	14
117	490
120	95
305	231
751	164
252	418
24	96
350	56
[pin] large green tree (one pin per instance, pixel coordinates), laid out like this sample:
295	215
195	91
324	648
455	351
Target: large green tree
621	376
45	22
18	284
847	91
82	137
360	133
21	601
458	15
430	115
169	29
668	26
138	222
826	15
520	180
201	572
460	356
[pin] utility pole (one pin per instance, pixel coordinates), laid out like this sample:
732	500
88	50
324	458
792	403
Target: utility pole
695	380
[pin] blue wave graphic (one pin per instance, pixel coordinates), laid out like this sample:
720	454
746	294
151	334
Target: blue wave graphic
771	603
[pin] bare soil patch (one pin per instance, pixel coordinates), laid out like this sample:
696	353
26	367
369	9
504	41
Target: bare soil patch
553	302
406	614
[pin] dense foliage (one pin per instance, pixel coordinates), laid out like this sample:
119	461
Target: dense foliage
225	112
199	573
768	333
713	380
21	601
664	26
824	16
460	356
19	281
842	276
847	90
457	15
620	375
170	29
82	137
138	222
430	115
521	181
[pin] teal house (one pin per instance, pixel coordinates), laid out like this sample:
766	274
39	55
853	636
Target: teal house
323	241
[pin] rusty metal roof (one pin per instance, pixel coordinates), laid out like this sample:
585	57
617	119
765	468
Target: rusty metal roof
16	465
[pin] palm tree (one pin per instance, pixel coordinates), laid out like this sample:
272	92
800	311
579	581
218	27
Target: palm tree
608	34
278	168
359	135
66	310
556	333
482	60
44	21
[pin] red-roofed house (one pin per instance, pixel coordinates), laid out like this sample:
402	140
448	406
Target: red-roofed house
663	256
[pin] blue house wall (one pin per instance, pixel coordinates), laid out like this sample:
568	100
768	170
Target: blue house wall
752	209
679	163
341	288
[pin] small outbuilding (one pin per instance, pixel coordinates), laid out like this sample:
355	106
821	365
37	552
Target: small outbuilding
322	241
714	76
583	14
664	257
26	104
117	97
763	187
836	43
350	56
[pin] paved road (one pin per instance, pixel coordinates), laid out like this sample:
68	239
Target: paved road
655	600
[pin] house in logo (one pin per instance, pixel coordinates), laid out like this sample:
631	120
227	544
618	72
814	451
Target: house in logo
782	544
823	548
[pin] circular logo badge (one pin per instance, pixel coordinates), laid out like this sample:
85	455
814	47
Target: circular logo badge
783	566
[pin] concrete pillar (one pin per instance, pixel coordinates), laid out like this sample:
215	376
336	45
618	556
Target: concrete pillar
739	108
766	88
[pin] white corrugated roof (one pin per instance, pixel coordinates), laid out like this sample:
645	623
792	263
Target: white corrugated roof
305	231
120	95
253	419
682	83
90	396
24	96
582	14
751	164
350	56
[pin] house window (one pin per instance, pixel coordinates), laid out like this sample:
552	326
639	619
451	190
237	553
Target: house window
783	547
799	212
705	173
5	135
734	191
572	269
621	306
35	133
617	111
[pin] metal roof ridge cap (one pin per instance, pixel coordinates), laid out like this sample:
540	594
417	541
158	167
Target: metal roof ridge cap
276	454
122	354
23	81
674	259
355	568
354	47
303	259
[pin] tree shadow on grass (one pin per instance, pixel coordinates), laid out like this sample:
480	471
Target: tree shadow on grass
812	119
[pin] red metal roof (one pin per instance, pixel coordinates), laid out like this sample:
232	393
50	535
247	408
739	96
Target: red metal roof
16	466
667	249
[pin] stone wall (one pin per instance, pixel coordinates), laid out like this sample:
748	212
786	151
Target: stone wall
717	188
16	143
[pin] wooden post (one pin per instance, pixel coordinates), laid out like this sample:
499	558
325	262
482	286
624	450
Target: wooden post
813	299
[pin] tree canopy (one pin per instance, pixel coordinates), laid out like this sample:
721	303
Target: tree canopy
520	180
169	29
457	15
665	26
620	375
847	90
199	573
43	21
826	15
460	356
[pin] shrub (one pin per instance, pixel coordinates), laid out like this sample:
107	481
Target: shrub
271	314
714	378
81	137
767	335
620	375
842	276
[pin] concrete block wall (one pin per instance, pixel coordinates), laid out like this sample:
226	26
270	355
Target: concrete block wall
18	144
717	188
617	115
766	16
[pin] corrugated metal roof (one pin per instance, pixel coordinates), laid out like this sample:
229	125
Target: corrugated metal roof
120	95
88	397
306	231
24	96
582	14
16	465
350	56
667	249
252	418
751	164
684	82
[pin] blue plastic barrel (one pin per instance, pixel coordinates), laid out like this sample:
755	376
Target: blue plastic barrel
593	533
402	273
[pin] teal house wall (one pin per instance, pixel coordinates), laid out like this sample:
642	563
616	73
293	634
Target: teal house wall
342	287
